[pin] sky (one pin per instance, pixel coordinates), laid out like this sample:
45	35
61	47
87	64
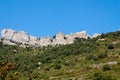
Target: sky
47	17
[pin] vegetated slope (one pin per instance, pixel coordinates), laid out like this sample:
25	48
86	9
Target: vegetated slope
86	59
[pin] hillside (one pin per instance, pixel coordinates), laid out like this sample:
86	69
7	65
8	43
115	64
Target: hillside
86	59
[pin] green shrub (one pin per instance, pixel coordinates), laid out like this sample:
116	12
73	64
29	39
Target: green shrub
102	76
47	69
106	67
102	55
103	35
91	57
57	66
97	76
110	46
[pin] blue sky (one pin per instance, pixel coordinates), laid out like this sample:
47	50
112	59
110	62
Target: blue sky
47	17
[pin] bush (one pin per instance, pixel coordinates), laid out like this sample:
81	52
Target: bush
102	76
97	76
57	66
106	67
102	55
103	35
110	46
47	69
91	57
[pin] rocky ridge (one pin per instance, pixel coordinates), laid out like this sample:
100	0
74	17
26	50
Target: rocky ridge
12	37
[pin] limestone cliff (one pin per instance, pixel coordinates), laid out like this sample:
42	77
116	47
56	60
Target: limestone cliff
12	37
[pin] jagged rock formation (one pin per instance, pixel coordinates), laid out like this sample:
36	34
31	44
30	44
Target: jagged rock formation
45	41
7	34
71	38
95	35
20	37
12	37
59	38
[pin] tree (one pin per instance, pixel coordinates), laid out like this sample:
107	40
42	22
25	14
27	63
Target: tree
110	46
106	67
102	55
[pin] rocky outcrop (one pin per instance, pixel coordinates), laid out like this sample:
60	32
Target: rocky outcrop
8	42
32	41
20	37
95	35
45	41
71	38
59	38
7	33
12	37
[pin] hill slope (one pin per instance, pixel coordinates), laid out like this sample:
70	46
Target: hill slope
86	59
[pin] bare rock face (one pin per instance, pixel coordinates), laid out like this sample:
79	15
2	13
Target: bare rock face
7	33
8	42
59	39
32	40
71	38
95	35
12	37
21	37
44	41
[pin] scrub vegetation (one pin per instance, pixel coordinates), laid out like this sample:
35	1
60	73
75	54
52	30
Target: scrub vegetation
86	59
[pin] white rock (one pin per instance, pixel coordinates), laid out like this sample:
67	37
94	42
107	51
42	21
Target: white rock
59	39
71	37
32	38
44	41
15	51
101	39
11	37
7	33
8	42
20	37
32	41
39	63
95	35
111	63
